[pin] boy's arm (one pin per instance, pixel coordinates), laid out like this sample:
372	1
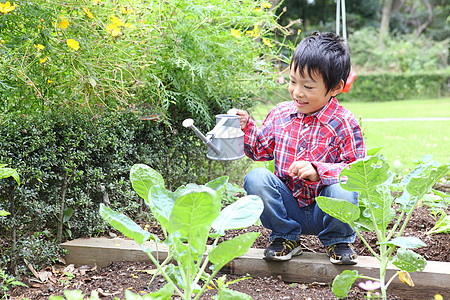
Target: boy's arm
258	142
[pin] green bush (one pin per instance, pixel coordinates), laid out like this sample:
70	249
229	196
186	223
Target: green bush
401	54
200	57
70	162
391	86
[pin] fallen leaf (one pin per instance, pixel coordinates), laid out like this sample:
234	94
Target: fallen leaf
69	269
106	294
44	275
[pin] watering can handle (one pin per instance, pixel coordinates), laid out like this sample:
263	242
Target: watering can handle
190	123
217	127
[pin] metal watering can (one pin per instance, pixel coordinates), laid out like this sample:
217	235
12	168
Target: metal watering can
225	141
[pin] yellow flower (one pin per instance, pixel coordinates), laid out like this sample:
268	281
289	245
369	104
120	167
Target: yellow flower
129	25
126	10
266	5
88	13
116	21
113	30
2	42
73	44
299	31
258	9
63	24
42	60
267	43
39	46
438	297
49	81
405	278
96	2
236	33
6	7
255	31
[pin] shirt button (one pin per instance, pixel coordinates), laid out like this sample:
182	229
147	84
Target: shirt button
306	125
301	148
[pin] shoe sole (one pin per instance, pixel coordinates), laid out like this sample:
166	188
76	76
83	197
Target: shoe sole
344	261
296	252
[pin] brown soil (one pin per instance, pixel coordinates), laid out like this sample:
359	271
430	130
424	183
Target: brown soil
114	279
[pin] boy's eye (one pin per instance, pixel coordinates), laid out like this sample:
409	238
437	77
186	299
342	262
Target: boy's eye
308	87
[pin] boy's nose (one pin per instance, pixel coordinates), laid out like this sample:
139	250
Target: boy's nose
299	93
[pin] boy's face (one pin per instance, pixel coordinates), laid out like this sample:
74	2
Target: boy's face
310	93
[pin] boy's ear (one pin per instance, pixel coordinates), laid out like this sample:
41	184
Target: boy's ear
338	88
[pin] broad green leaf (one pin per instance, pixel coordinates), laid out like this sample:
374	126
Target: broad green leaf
219	185
406	242
161	202
227	294
441	226
365	174
142	179
74	294
124	224
270	165
193	213
343	283
174	273
409	261
419	185
242	213
8	172
4	213
425	176
230	249
382	206
373	151
340	209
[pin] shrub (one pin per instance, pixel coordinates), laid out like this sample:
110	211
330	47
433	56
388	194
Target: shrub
163	57
391	86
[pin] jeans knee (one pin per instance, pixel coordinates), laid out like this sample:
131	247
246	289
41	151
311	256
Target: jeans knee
256	179
336	191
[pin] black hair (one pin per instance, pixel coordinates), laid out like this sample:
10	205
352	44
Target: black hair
326	54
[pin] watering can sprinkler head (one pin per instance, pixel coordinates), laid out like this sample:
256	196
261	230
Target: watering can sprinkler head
189	123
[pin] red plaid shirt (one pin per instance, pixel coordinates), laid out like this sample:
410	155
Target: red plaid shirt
330	139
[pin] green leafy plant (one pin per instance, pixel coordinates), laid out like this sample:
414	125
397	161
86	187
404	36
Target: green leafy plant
373	180
7	282
5	173
186	217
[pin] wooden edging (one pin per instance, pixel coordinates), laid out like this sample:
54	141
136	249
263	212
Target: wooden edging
307	268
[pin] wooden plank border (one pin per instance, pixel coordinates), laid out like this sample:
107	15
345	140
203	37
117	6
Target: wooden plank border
306	268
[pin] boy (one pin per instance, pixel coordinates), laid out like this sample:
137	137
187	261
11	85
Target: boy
311	139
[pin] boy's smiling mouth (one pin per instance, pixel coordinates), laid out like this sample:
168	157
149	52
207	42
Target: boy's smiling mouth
300	102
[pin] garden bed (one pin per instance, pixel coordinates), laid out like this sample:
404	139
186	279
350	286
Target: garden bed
113	279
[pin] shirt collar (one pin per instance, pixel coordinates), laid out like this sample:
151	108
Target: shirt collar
324	115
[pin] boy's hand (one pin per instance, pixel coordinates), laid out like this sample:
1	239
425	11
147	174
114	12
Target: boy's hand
304	170
243	116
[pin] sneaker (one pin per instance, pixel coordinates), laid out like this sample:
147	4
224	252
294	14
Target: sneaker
342	254
282	249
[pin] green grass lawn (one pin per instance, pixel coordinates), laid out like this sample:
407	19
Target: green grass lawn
405	141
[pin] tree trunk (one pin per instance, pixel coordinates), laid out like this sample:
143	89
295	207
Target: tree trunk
385	21
424	26
61	210
12	210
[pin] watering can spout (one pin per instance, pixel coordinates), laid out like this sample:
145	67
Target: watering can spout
225	141
189	123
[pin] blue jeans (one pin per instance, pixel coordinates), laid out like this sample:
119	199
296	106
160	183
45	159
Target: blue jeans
287	220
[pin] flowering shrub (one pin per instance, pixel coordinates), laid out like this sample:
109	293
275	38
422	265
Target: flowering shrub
199	57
